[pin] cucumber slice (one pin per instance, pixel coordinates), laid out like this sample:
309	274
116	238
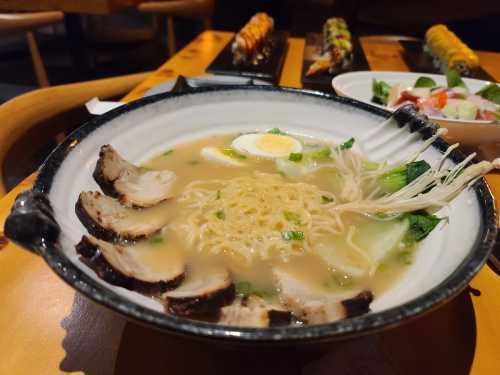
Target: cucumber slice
460	109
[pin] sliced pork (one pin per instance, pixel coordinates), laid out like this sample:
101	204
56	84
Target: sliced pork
248	312
253	311
314	306
106	219
133	186
118	265
202	293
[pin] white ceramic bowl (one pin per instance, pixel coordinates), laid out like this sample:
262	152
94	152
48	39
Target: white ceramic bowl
44	220
358	85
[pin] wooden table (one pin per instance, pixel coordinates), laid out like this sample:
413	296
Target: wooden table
46	328
70	6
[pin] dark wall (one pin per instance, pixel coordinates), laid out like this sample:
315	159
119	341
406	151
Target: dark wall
475	22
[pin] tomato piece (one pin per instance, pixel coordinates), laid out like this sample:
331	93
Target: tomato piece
439	99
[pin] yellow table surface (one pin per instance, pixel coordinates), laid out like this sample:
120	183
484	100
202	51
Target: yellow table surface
47	328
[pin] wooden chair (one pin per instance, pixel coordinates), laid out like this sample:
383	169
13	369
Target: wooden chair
28	22
200	10
25	112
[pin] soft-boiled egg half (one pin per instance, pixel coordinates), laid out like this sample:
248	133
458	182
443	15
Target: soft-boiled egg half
266	145
216	155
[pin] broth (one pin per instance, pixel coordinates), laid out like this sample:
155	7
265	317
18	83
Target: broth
186	162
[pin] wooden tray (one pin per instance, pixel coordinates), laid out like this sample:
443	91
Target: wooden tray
420	61
323	81
269	70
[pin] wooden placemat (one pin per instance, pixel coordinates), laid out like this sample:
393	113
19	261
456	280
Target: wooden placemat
268	70
323	80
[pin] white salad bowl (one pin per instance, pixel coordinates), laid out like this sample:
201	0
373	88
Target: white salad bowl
44	220
358	85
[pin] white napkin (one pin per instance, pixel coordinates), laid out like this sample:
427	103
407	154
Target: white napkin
98	107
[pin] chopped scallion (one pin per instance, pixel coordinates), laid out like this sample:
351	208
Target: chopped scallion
220	215
347	144
232	153
295	235
156	240
168	152
295	156
276	131
245	289
326	199
322	153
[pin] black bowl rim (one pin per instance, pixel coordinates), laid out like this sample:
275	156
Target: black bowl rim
437	296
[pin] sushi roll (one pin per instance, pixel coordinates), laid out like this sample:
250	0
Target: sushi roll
449	51
337	47
250	40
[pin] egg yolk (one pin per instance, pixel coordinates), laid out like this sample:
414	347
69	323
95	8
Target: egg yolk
275	144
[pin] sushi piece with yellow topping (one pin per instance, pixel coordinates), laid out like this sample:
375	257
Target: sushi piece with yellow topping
449	51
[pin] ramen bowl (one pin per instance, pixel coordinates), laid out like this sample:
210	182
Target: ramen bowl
43	219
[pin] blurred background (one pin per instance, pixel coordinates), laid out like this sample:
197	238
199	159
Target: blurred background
55	48
132	40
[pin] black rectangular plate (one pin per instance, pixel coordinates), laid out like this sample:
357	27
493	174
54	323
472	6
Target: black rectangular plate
323	81
269	70
420	61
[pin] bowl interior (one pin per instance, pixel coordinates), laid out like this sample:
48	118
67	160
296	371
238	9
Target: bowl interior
162	124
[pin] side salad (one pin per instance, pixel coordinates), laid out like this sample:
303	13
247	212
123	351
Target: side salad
455	101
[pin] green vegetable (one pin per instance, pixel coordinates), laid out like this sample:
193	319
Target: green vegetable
220	215
245	289
347	144
295	235
276	131
218	195
295	156
415	169
490	92
393	180
380	90
401	176
168	152
232	153
460	109
156	240
326	199
453	79
425	82
292	217
320	154
421	224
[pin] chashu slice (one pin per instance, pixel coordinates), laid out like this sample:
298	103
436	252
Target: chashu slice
119	265
253	311
133	186
106	219
203	293
315	306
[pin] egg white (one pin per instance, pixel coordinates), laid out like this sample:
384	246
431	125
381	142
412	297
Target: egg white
215	155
